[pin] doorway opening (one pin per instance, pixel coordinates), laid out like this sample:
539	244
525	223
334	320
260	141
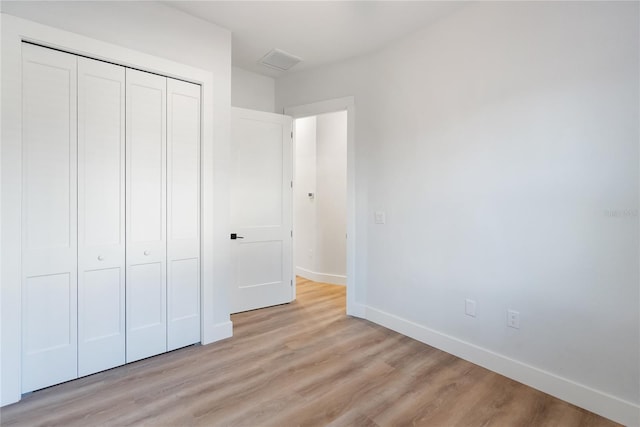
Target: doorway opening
324	195
320	198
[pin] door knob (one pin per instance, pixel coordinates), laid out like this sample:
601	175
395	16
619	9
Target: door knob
100	257
147	253
234	236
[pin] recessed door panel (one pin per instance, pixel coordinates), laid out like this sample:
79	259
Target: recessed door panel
183	216
259	263
102	297
101	216
147	295
146	255
146	314
146	152
50	294
257	156
49	151
49	241
184	306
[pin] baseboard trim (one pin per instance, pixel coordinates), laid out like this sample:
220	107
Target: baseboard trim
332	279
217	332
603	404
357	310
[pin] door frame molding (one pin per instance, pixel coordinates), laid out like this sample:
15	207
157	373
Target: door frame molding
354	308
15	31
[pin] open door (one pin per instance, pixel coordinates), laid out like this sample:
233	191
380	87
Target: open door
261	209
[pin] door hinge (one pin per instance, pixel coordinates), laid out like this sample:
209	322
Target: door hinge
291	233
291	283
291	134
291	184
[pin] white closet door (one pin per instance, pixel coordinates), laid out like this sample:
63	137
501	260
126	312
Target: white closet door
49	241
146	215
101	216
183	215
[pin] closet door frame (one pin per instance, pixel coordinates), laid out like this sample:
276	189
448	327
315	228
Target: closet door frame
215	321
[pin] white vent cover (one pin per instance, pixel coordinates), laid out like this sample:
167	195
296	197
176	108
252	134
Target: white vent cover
279	59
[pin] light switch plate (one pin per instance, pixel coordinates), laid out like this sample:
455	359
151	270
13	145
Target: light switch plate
470	307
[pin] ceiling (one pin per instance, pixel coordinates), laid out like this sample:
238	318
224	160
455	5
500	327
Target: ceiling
320	32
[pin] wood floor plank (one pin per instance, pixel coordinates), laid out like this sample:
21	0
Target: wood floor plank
299	364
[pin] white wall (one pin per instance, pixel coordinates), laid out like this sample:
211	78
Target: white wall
158	30
331	196
320	223
502	143
252	91
304	207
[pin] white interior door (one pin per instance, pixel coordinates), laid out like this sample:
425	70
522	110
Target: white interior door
261	209
183	213
101	216
49	206
146	256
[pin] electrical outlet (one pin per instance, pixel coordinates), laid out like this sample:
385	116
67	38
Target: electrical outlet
380	217
470	307
513	319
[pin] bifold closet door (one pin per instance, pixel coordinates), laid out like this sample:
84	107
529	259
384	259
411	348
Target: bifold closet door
49	205
146	306
183	215
101	216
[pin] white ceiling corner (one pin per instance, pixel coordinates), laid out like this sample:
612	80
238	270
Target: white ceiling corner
319	32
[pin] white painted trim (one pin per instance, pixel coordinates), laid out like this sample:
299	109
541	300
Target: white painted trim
329	106
332	279
218	332
358	310
578	394
321	107
14	32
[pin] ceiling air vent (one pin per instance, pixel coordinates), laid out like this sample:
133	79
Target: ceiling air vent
279	60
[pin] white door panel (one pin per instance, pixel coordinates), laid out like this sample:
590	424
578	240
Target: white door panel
49	243
101	216
111	215
146	215
183	213
261	209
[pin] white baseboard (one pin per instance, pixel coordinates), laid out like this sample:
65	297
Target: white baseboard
357	310
217	332
332	279
603	404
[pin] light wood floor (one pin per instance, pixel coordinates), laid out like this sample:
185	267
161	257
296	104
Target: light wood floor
304	363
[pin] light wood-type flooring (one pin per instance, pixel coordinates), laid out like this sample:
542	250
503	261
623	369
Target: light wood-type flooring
304	363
